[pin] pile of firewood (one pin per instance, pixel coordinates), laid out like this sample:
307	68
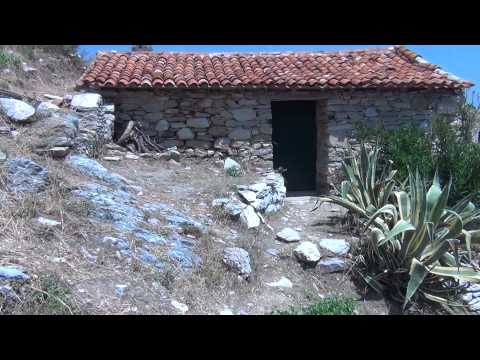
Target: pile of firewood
135	140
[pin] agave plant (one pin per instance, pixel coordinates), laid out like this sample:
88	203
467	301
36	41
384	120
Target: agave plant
368	187
416	249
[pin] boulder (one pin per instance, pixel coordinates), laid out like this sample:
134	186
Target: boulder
231	164
46	108
307	253
181	308
248	195
86	102
12	273
249	217
237	259
288	235
92	168
332	264
338	247
57	130
16	110
24	175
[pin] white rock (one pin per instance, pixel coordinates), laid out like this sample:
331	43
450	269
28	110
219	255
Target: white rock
238	260
226	312
112	158
53	97
288	235
339	247
132	157
248	195
230	164
307	252
17	110
27	68
46	108
120	289
87	101
250	217
48	222
182	308
258	187
283	282
333	264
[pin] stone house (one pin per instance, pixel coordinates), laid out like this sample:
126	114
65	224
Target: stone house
297	109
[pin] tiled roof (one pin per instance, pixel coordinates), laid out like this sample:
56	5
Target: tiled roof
395	67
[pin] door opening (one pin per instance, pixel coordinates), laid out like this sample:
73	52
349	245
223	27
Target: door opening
294	137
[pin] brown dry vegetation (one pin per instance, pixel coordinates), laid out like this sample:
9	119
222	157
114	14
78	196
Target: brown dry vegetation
56	72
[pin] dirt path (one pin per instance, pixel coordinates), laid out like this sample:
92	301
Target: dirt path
212	288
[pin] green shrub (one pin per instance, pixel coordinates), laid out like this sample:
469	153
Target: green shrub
439	148
368	185
335	305
7	59
413	246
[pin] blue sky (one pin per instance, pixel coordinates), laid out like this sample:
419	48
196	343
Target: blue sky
461	60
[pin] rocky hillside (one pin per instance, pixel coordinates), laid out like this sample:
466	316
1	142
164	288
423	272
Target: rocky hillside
35	70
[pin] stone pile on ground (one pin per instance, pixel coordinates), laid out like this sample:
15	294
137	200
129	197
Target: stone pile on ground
265	196
83	123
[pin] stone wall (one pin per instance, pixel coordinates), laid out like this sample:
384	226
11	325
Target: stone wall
219	119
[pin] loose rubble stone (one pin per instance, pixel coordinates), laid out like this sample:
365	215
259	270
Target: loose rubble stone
231	164
46	109
250	217
59	152
12	273
238	260
24	175
226	312
332	264
48	222
86	102
307	252
248	196
339	247
283	283
182	308
3	156
120	289
17	110
112	158
288	235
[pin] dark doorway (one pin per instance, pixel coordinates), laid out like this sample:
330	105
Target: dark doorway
294	140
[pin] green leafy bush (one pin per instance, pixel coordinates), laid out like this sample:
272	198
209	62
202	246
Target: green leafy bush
441	147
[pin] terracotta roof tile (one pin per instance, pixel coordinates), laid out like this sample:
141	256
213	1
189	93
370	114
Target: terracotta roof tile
395	67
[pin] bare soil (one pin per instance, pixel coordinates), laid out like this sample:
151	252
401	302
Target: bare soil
90	272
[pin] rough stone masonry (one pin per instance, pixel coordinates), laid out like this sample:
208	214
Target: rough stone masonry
200	118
